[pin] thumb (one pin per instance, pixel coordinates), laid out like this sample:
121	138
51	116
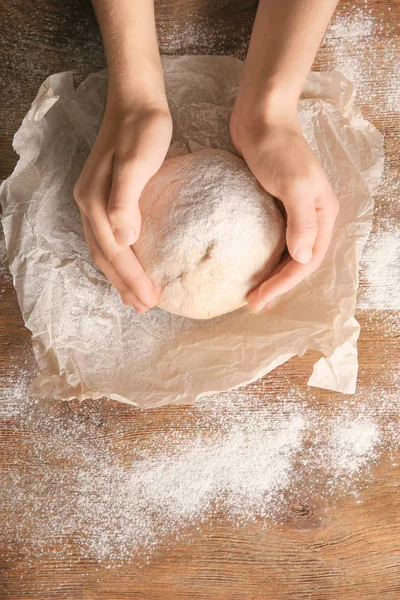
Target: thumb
301	230
129	179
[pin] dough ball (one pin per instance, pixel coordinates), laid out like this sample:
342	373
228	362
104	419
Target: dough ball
210	233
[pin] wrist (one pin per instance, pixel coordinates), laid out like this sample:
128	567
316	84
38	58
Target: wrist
267	102
256	112
256	115
133	59
142	89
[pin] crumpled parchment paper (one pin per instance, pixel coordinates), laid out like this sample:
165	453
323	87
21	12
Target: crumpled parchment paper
87	343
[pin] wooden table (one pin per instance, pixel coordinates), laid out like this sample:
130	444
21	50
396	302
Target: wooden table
343	547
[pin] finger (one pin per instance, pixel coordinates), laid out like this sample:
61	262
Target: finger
132	272
278	283
127	296
94	181
301	229
131	172
123	205
123	260
290	272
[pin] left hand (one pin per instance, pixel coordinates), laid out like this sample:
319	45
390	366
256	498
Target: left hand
130	148
285	165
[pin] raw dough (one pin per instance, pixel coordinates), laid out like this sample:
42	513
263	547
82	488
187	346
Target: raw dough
210	233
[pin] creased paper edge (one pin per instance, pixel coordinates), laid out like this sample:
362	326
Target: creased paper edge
338	372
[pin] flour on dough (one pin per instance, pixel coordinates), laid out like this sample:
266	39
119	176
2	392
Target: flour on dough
210	233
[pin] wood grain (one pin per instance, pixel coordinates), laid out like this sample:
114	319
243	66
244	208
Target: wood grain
321	549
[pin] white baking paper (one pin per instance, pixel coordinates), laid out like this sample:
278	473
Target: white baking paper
87	343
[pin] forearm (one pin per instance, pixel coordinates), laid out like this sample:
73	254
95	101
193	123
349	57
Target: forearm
130	42
286	36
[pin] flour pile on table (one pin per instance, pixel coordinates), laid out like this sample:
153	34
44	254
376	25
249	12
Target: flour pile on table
381	268
363	63
232	454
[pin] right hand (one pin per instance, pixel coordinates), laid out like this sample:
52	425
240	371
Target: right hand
278	155
130	148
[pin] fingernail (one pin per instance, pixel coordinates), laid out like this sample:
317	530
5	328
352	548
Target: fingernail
126	300
148	296
256	302
130	300
256	308
268	306
125	237
303	255
141	308
138	308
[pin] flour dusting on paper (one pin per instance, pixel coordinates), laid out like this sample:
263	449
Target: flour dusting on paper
157	358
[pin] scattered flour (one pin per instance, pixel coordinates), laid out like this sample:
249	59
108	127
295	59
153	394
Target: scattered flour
352	27
204	36
380	267
231	454
354	441
393	88
365	50
13	394
3	257
361	62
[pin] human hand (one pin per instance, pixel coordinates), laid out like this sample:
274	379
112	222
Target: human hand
285	165
130	148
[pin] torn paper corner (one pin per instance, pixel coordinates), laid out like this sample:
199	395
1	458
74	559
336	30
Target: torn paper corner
338	372
48	94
